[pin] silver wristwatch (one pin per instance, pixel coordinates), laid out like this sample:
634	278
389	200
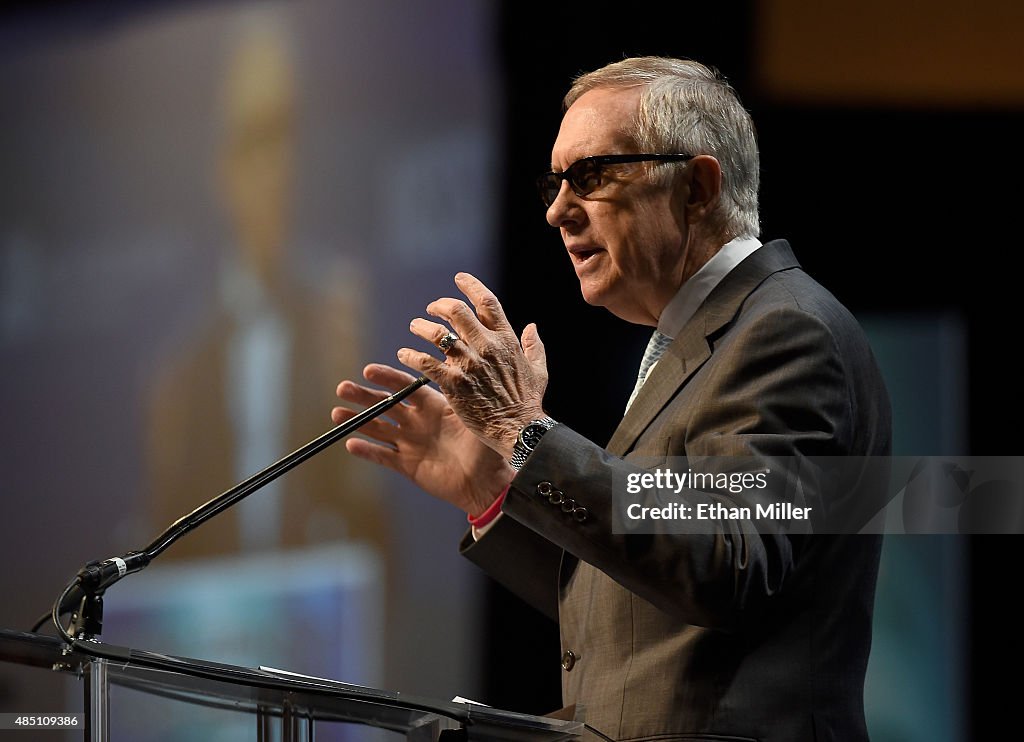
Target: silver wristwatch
528	439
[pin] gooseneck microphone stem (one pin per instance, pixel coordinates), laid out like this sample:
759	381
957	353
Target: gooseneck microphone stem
275	470
95	577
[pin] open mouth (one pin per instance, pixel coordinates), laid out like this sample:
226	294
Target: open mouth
583	255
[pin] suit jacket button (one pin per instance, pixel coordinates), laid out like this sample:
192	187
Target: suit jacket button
580	514
544	489
569	660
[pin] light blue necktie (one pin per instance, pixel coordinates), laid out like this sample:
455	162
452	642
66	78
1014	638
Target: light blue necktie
655	347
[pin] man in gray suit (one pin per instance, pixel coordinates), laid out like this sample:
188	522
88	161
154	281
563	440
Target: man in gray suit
741	631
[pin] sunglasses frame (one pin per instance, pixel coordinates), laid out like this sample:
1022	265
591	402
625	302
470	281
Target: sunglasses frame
546	182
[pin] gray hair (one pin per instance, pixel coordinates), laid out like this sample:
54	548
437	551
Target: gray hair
687	107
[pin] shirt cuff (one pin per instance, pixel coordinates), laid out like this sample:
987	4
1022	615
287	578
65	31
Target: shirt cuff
481	523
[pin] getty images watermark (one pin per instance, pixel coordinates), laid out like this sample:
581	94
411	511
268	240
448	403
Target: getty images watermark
820	495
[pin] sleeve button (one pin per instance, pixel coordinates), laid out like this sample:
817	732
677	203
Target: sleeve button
569	660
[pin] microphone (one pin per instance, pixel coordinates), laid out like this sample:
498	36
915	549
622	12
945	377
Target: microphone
86	589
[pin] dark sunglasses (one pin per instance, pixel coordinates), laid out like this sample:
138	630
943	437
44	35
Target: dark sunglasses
585	176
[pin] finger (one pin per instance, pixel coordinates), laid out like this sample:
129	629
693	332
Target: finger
461	317
376	428
387	376
433	333
359	394
396	379
374	453
439	372
533	349
488	308
367	397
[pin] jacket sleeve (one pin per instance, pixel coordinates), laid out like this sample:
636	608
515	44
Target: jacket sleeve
521	560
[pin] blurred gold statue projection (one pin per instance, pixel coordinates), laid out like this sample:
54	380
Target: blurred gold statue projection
257	380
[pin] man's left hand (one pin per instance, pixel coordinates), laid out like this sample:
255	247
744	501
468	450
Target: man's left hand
493	380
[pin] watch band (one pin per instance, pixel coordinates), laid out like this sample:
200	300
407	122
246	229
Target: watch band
528	439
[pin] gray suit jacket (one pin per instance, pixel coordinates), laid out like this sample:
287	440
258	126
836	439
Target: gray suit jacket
742	633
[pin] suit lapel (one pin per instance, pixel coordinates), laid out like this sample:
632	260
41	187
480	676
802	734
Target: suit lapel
692	348
679	362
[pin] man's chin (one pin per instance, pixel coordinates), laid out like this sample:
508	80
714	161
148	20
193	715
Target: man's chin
592	296
625	310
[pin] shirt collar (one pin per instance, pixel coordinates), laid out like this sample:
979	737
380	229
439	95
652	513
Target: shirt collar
694	291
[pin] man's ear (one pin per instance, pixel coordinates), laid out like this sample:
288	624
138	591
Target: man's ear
705	187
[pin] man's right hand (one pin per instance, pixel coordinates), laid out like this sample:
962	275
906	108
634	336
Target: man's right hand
423	439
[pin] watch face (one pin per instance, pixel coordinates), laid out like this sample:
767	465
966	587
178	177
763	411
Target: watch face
532	435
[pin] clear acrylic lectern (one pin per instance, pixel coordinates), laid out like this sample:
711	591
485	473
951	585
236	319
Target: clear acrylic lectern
282	706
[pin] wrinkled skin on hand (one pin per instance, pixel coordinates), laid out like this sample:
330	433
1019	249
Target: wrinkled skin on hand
424	440
493	380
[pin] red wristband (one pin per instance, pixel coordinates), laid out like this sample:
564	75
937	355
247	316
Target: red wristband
490	513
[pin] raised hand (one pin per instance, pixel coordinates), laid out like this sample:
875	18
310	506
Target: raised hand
493	380
423	439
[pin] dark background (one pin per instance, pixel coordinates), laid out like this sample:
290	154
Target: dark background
893	208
